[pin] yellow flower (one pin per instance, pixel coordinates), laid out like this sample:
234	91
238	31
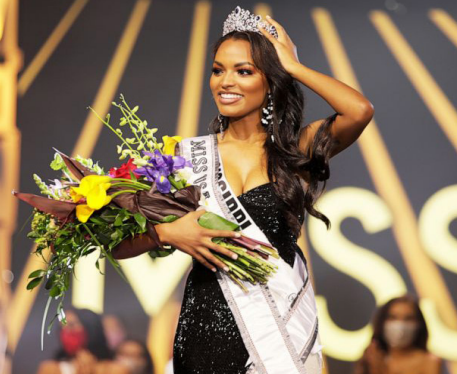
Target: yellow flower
169	144
93	188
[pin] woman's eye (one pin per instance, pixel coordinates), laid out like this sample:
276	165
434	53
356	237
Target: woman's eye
247	71
215	70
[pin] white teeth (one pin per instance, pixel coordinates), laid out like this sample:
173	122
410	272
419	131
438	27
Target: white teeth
230	96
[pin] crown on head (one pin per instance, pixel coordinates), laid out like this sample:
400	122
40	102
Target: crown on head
242	20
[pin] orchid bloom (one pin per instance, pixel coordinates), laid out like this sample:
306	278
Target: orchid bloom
169	143
93	188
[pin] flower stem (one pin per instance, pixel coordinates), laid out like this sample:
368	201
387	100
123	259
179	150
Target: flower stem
121	192
107	255
139	184
111	128
43	322
132	185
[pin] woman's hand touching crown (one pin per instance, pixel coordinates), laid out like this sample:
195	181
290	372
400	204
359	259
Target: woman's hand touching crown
286	49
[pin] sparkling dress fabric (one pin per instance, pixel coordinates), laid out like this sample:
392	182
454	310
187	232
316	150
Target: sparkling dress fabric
207	339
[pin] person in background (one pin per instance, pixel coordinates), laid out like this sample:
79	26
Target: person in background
115	330
134	355
84	349
399	342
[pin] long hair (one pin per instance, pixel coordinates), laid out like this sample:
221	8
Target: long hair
380	318
96	344
286	162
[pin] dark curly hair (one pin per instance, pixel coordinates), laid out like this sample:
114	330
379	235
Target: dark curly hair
286	162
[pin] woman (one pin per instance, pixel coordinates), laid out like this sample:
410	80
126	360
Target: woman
83	347
262	170
134	354
399	342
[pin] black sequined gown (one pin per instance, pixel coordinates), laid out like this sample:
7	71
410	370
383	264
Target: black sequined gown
207	338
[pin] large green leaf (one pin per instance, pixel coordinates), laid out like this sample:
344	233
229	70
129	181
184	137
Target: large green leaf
141	220
34	282
213	221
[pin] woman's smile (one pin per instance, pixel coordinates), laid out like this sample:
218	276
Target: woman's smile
229	98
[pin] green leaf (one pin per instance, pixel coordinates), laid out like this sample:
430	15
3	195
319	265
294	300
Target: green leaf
119	220
116	235
58	162
141	220
213	221
161	253
34	282
133	176
51	281
98	220
169	218
55	291
37	273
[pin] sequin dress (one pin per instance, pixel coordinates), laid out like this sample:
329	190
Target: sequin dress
207	339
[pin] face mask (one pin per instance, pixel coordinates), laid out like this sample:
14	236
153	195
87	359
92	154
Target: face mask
73	341
400	334
134	366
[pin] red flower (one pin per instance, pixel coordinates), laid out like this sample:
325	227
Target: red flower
124	170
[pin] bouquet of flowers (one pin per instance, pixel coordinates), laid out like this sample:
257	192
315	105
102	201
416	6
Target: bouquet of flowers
88	209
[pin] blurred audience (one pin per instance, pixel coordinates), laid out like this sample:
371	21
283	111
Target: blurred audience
399	342
84	349
115	330
134	355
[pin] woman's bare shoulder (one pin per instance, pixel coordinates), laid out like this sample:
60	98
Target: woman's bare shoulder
431	363
110	367
49	367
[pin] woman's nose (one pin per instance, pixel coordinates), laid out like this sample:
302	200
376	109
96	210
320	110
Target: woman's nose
227	80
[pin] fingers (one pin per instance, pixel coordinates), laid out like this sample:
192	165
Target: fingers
222	250
199	213
270	37
204	262
210	257
221	233
277	26
209	260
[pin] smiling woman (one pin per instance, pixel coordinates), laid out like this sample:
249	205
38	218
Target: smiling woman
261	169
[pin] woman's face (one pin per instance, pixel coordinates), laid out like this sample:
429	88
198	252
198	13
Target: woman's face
235	74
401	311
73	322
401	325
131	355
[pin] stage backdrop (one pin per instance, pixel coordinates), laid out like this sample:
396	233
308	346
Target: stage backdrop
392	196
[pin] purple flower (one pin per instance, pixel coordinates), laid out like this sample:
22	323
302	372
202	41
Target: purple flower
161	165
180	163
163	184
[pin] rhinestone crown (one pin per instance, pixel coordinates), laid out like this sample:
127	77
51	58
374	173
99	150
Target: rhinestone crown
242	20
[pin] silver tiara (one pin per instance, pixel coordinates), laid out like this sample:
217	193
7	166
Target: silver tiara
243	20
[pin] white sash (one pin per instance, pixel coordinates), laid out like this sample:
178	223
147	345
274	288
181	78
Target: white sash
278	321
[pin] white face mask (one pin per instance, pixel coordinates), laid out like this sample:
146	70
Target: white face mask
400	334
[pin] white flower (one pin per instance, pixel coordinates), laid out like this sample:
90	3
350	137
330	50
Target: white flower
140	162
203	203
61	315
184	173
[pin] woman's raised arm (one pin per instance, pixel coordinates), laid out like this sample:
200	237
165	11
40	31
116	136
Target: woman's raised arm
354	111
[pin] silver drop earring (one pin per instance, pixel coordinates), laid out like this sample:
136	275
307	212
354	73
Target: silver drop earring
221	127
267	117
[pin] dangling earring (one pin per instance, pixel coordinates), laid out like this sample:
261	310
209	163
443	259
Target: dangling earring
221	127
267	117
